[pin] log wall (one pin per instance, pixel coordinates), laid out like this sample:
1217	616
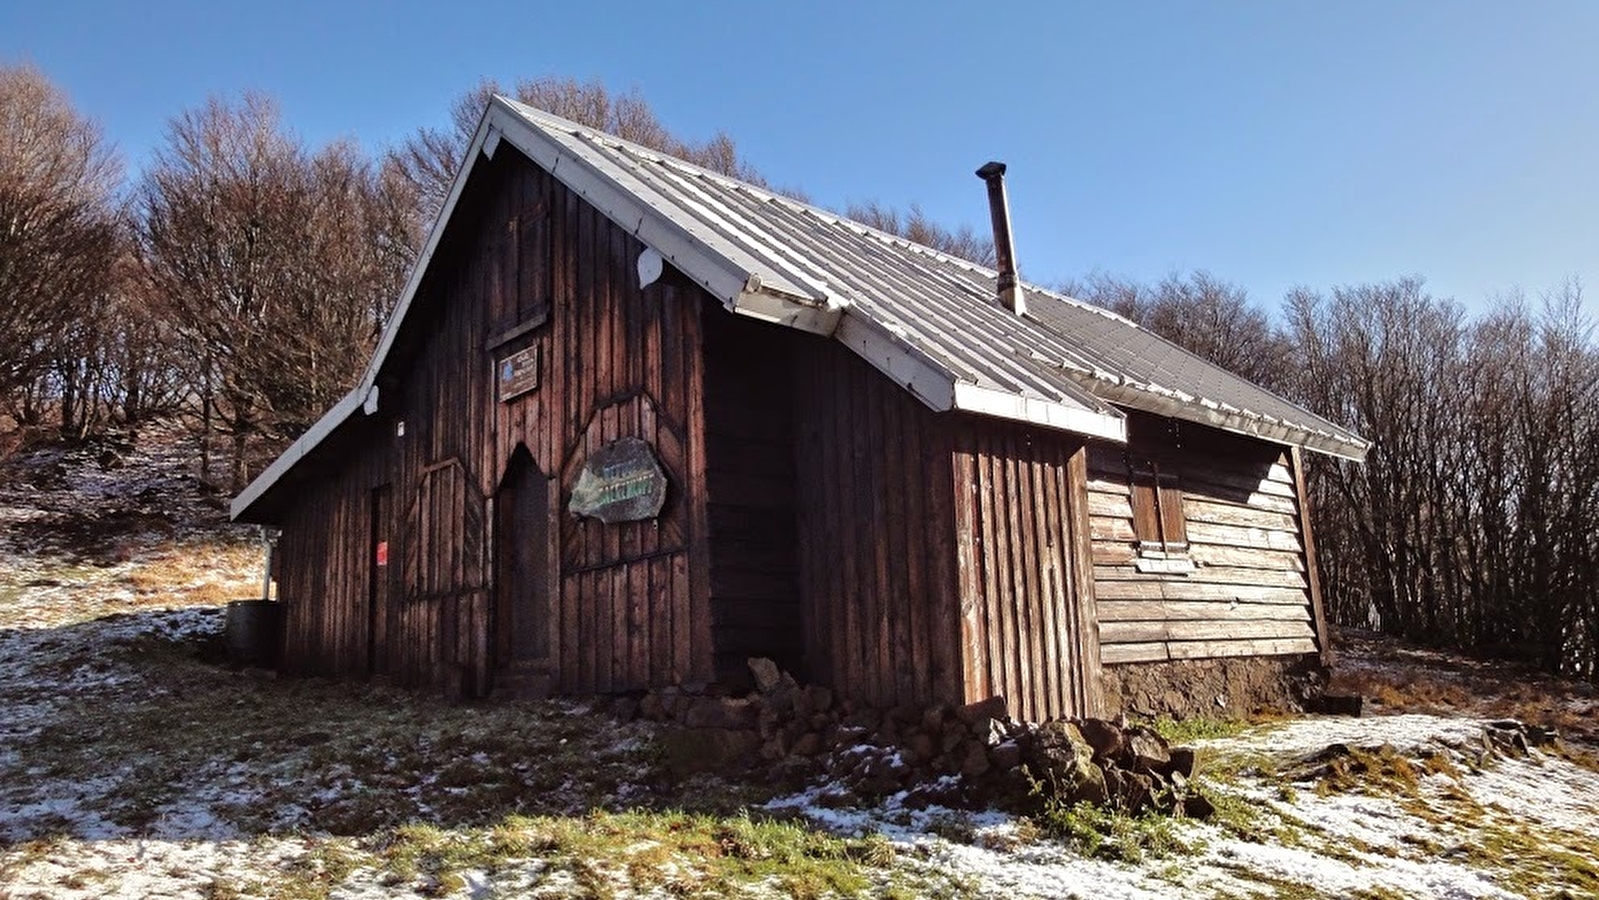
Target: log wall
1026	608
527	263
1249	593
877	561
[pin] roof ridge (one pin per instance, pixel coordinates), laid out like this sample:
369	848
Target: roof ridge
766	193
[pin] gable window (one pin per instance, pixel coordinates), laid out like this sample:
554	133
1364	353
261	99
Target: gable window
1159	527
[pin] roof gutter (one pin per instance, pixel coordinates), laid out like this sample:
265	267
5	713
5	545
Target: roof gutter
1238	421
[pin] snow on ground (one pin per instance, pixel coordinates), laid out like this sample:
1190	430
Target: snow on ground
1340	844
130	767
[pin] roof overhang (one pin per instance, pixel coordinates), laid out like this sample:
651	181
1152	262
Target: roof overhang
752	276
1237	421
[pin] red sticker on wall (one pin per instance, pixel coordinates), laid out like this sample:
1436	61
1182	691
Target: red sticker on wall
383	553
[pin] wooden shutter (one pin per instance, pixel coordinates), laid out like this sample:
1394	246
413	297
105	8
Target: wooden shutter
1157	499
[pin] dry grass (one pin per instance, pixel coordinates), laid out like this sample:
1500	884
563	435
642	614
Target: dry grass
191	572
1396	677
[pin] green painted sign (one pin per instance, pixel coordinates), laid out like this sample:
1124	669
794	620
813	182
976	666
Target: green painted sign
620	482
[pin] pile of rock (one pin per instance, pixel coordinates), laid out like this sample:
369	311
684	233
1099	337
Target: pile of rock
971	756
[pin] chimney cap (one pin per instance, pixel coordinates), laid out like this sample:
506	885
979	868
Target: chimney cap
991	169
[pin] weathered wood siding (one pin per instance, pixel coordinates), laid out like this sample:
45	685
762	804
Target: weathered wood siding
1026	610
1250	591
750	459
526	263
877	560
325	568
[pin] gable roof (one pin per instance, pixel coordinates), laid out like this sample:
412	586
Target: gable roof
927	320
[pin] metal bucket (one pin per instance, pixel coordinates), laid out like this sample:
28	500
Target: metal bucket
255	632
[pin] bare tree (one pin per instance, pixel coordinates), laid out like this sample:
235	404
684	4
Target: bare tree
1471	522
1210	318
273	268
58	229
428	160
915	226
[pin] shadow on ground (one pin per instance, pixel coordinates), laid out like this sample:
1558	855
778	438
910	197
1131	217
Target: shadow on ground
130	725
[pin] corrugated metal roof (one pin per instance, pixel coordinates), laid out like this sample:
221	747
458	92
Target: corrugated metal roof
1062	350
927	320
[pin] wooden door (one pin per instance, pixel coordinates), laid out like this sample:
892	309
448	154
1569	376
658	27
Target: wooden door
377	601
523	561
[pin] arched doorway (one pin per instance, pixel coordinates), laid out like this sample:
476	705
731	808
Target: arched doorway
524	579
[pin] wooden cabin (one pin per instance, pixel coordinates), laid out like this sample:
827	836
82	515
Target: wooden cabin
633	422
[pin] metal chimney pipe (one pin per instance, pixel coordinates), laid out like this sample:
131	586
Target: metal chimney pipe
1010	293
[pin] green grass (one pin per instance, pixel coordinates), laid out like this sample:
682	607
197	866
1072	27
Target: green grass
683	854
1186	731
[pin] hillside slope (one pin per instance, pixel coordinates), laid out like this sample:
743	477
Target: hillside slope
133	764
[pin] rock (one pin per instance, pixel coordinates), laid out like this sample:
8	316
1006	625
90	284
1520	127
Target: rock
793	728
953	738
837	798
652	707
1060	742
973	713
1063	760
1540	736
767	675
865	718
1507	738
848	735
906	715
921	748
1105	737
1146	751
1182	762
807	744
773	750
884	774
1337	704
691	750
1132	790
625	708
1087	785
933	719
888	734
820	698
721	712
1005	756
975	761
996	734
1195	806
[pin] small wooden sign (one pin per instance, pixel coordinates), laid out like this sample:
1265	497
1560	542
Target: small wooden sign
519	373
620	482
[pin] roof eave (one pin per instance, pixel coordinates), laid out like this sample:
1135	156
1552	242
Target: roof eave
241	507
1235	421
1061	416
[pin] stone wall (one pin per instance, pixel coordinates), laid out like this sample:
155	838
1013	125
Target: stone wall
976	755
1213	688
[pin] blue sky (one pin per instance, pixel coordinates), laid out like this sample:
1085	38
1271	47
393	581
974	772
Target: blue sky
1272	143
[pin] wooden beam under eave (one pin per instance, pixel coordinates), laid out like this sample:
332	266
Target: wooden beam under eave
1312	571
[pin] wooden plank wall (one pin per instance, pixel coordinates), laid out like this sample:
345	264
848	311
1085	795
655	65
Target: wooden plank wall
1027	618
750	473
525	262
876	545
1249	593
324	570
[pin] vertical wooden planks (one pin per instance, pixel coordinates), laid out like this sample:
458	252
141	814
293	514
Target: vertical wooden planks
1312	572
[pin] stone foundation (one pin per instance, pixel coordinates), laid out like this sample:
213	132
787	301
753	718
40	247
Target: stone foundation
970	756
1213	688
